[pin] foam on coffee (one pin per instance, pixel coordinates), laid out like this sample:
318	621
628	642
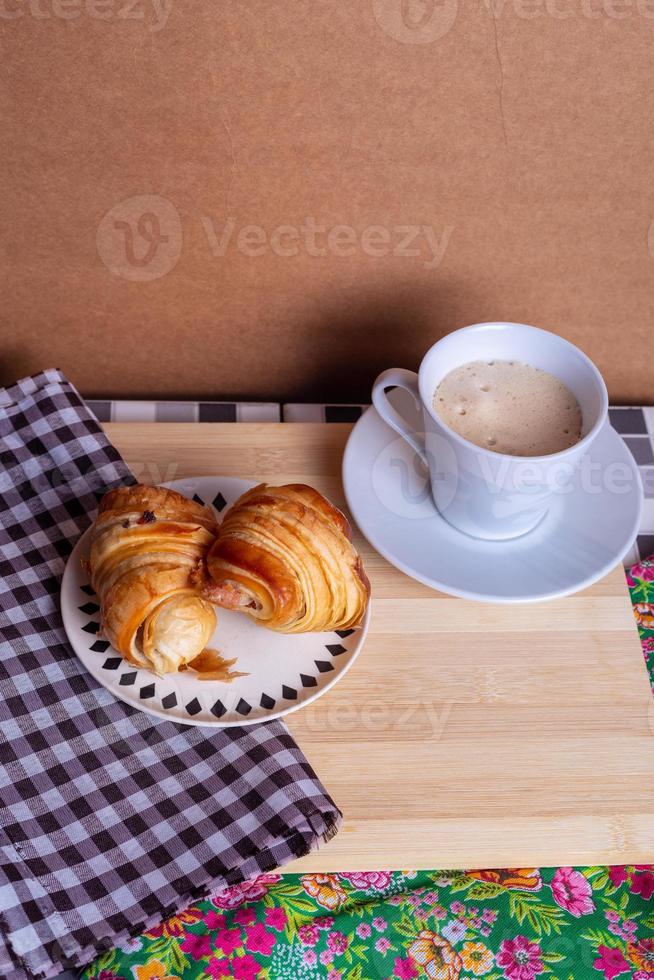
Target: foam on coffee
509	407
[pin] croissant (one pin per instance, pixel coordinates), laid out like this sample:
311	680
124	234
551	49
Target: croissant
145	543
284	556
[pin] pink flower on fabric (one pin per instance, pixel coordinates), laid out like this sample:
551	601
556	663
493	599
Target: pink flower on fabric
457	908
644	571
247	891
218	968
245	917
246	968
611	915
611	962
363	930
367	879
379	924
197	946
642	884
489	915
228	940
259	940
336	975
572	892
308	935
454	931
326	957
310	957
337	942
618	874
382	944
276	917
323	922
520	958
404	969
213	920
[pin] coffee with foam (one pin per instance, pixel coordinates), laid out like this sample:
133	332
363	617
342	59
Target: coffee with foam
509	407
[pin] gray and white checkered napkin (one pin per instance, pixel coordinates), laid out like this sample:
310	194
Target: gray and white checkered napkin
109	819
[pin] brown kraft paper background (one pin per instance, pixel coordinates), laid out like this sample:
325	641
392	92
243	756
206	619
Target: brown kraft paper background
278	198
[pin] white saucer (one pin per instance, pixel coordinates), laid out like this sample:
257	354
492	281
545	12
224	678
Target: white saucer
584	535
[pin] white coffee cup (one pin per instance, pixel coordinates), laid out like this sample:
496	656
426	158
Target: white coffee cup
482	493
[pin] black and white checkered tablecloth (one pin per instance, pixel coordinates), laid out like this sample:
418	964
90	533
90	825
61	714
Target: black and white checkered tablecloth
109	819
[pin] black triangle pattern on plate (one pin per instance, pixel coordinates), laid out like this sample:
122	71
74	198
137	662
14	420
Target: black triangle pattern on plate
89	608
288	693
147	692
219	502
308	681
113	663
336	649
126	680
91	628
218	709
243	707
193	707
323	666
87	590
197	499
100	646
343	633
170	701
267	702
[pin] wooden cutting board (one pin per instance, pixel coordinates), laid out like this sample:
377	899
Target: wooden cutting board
467	735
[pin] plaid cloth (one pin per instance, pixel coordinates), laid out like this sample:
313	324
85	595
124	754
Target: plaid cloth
109	819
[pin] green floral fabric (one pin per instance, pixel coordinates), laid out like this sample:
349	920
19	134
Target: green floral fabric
510	924
640	579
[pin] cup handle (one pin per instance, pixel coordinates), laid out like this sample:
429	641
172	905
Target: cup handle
400	378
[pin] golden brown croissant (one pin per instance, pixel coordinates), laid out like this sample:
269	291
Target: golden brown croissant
284	556
145	543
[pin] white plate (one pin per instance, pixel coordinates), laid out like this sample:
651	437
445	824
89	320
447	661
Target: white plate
584	535
285	672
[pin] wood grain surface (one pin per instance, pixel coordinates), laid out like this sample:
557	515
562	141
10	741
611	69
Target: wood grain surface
467	734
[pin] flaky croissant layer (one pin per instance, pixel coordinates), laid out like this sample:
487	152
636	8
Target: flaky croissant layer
284	556
145	544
